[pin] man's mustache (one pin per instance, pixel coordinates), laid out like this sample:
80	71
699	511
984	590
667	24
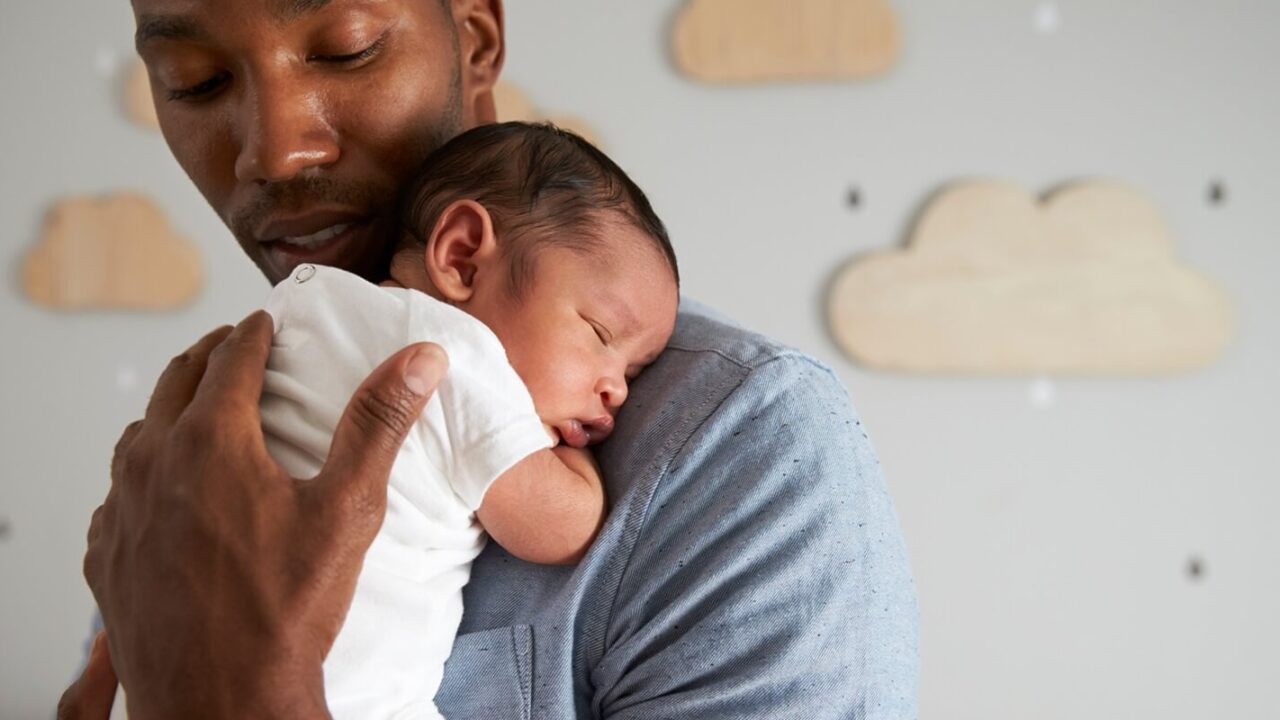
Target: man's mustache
297	196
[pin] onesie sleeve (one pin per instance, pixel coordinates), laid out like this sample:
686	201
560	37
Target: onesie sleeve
487	411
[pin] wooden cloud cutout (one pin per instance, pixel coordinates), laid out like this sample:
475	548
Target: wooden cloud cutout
744	41
138	104
115	252
994	282
512	104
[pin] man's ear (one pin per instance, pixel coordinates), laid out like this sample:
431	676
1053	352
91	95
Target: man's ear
462	246
481	51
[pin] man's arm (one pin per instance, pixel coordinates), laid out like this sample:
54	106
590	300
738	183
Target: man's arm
770	578
547	508
222	582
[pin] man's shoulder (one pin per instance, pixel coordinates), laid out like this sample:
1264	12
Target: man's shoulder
702	329
716	382
713	364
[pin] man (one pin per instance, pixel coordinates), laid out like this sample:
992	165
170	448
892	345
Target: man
751	565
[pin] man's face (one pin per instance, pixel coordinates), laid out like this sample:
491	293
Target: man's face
299	120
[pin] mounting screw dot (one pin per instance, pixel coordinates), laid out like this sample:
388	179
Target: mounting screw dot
1217	192
854	198
1195	569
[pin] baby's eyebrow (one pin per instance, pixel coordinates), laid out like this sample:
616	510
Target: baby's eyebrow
622	311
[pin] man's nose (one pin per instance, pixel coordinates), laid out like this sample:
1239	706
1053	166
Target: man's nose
283	132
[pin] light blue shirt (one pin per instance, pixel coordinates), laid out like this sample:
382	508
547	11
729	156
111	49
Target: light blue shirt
751	566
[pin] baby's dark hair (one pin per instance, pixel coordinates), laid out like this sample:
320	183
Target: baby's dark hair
541	185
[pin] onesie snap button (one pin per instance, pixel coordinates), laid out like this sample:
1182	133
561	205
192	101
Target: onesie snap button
305	273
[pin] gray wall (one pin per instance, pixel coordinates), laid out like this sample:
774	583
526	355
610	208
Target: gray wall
1050	543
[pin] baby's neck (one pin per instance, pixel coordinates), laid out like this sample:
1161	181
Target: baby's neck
409	271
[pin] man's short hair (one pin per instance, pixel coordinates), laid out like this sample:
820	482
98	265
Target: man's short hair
542	186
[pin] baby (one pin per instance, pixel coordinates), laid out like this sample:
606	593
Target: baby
542	270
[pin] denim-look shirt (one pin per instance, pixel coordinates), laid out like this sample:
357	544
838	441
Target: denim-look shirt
751	565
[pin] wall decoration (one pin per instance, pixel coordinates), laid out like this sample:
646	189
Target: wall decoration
1084	282
138	104
115	252
747	41
513	104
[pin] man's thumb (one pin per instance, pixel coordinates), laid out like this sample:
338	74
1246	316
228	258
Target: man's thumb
374	425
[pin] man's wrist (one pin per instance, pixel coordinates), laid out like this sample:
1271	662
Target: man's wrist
280	690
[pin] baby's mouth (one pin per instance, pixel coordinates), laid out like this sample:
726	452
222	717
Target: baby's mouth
573	434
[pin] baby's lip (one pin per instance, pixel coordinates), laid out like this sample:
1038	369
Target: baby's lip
573	434
599	429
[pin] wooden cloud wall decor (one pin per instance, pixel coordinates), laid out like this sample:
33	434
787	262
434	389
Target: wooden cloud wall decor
114	252
753	41
138	104
513	104
994	282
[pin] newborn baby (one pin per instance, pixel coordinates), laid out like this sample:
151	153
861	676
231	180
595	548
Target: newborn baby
544	273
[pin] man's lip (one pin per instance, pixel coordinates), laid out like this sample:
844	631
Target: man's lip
302	225
339	251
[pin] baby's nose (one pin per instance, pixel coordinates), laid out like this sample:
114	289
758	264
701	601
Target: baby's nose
613	393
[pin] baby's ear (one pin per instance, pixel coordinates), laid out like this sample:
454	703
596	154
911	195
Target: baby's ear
462	246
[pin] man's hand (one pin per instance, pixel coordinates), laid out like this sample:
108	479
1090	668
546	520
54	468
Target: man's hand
222	582
92	695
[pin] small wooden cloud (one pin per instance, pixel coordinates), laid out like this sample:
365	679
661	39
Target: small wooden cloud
138	104
116	252
994	282
513	104
746	41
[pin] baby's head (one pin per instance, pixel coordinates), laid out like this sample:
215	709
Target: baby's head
539	235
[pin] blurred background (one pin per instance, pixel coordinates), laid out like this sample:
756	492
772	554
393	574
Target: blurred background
1082	547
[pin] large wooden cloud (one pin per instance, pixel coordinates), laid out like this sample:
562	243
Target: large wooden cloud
115	252
993	281
745	41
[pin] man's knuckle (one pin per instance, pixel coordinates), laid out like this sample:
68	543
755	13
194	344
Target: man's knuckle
378	412
127	437
184	359
68	704
191	431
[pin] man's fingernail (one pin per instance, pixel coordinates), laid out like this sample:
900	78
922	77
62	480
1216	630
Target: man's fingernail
424	370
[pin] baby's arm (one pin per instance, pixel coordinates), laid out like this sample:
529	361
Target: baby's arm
547	508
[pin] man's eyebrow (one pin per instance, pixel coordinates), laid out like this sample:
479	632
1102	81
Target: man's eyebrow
289	9
176	27
166	27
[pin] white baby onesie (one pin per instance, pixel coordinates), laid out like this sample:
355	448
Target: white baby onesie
332	329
